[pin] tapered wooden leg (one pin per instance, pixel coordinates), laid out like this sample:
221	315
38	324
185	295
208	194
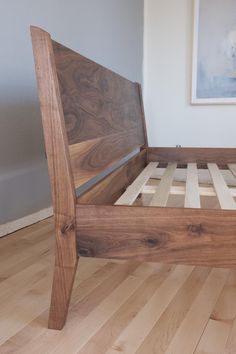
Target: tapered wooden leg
66	261
61	293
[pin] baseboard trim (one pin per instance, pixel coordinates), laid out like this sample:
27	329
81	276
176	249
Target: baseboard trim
28	220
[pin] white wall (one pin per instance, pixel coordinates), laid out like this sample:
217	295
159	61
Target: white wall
171	120
107	31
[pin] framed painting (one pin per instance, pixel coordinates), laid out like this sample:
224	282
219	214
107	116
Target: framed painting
214	52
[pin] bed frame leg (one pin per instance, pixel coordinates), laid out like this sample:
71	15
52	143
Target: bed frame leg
66	262
63	281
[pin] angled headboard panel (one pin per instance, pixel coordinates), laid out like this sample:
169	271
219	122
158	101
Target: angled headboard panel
102	111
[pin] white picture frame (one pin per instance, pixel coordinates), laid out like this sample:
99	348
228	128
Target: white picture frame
214	82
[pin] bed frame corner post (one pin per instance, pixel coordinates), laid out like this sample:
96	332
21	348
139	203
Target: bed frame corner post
61	177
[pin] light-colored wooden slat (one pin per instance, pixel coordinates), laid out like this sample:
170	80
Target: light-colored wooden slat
180	190
232	168
160	198
134	189
192	196
223	194
151	189
203	176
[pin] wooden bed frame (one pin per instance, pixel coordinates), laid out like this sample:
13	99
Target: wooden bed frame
93	121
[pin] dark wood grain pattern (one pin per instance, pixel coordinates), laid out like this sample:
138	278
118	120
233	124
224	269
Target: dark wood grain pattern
63	192
171	235
110	188
221	156
102	111
96	101
91	157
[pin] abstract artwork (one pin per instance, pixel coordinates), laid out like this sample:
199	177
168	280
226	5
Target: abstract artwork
214	52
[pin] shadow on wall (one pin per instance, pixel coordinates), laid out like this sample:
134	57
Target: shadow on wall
23	166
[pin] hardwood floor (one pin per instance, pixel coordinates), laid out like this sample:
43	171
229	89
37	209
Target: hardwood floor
116	307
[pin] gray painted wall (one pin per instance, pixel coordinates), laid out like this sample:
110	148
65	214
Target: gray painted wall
107	31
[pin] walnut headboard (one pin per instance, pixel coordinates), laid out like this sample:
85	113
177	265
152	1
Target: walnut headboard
103	113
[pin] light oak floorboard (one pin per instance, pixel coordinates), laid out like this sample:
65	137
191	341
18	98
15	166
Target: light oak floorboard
214	338
160	336
31	338
196	319
91	293
137	330
113	328
230	347
116	306
98	317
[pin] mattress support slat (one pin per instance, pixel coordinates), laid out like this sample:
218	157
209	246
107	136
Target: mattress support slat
192	196
132	192
180	190
232	168
161	196
223	193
